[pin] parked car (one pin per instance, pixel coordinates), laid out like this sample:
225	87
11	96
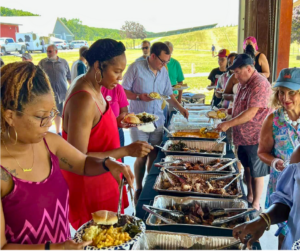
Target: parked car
61	44
79	43
8	44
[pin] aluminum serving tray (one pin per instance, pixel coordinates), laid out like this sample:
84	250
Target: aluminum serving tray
190	130
199	144
197	107
162	201
176	241
158	184
194	159
188	126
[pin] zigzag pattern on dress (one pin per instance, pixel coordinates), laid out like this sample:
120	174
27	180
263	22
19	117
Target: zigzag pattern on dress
49	229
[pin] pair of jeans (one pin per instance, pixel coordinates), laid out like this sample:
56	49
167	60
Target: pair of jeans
122	139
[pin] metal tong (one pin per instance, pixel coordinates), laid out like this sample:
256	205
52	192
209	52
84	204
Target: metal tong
181	179
163	164
132	200
165	220
120	198
221	178
174	213
222	211
223	220
217	142
226	165
167	130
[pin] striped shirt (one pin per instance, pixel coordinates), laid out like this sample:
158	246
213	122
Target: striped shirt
139	79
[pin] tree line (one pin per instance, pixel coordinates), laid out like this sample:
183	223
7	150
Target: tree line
5	12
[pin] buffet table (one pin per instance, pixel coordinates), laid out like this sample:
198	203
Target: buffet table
148	194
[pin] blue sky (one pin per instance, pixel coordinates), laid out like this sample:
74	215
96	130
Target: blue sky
155	15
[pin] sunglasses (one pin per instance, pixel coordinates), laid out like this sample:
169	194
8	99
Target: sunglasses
49	51
145	48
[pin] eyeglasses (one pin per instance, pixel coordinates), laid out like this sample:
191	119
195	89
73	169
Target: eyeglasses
163	62
49	51
45	120
145	48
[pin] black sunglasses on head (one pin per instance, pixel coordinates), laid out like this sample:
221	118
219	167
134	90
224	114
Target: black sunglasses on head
145	48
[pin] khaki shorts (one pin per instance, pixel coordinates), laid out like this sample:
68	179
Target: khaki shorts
154	138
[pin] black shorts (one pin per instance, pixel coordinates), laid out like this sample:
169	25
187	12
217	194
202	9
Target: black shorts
59	107
249	158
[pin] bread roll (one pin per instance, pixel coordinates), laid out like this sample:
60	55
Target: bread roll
132	119
212	114
103	217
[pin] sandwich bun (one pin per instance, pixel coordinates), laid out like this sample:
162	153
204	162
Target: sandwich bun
132	119
212	114
103	217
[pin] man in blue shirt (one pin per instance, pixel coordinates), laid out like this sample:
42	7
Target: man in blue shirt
145	49
142	78
79	66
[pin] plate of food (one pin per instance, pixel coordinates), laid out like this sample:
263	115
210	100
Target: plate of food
219	90
139	119
219	114
154	95
107	232
179	87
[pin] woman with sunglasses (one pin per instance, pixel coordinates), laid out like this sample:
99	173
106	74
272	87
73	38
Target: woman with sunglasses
34	194
281	131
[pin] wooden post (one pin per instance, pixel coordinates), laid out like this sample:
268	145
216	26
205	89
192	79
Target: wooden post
284	35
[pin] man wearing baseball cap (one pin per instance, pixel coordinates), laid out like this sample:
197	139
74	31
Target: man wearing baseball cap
216	73
26	57
250	108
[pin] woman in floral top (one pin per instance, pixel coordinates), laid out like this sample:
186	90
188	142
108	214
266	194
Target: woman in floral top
281	130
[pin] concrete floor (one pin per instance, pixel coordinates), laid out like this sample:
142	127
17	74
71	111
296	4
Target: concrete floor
268	240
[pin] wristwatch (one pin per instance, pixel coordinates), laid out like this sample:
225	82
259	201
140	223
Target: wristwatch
105	159
138	97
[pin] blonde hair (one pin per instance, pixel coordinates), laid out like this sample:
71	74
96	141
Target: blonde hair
274	100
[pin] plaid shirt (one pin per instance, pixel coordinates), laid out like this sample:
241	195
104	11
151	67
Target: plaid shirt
255	93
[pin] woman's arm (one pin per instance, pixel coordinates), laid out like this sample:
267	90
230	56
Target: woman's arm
72	160
263	62
266	141
80	122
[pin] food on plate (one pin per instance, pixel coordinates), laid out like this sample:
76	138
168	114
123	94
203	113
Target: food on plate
217	114
131	119
200	166
154	95
178	86
194	213
106	231
197	134
180	146
220	90
145	117
196	183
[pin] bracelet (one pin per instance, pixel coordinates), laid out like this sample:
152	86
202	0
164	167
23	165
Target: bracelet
274	162
104	166
268	216
266	220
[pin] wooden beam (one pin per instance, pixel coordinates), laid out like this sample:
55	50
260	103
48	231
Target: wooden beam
284	34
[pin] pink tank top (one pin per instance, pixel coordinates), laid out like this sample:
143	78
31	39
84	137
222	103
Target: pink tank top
37	212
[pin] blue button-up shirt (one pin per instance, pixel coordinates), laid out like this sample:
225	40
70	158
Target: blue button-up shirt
288	193
139	79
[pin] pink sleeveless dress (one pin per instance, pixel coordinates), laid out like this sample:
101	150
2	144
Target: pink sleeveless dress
37	212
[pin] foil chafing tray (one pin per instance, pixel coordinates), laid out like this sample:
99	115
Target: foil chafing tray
175	241
219	149
158	184
184	126
190	130
162	201
197	107
194	159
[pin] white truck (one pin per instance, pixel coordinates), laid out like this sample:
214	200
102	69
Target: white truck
9	45
33	41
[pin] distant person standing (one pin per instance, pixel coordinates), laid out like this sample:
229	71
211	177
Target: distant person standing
213	48
43	45
59	75
175	72
26	57
79	66
216	73
146	50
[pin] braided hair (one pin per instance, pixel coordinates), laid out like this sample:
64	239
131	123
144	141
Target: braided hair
20	83
104	51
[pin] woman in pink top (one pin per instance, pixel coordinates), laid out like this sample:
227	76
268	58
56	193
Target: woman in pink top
34	195
119	104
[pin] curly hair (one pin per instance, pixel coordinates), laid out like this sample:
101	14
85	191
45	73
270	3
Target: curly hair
104	51
20	83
